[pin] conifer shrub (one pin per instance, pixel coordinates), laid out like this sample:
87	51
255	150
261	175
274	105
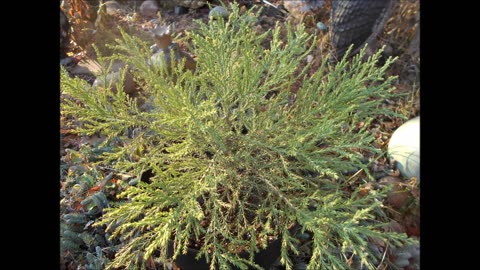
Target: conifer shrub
235	158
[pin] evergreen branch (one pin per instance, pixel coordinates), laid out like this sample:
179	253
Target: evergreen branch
235	160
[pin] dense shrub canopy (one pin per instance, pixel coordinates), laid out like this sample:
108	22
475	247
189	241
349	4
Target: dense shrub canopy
236	157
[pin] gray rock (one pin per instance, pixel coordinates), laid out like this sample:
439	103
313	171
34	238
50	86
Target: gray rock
218	12
113	7
322	27
154	49
149	9
406	256
404	148
190	3
162	34
90	66
112	79
66	61
298	9
163	58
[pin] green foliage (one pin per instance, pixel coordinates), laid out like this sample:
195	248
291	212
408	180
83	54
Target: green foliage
95	203
97	261
75	218
234	152
80	207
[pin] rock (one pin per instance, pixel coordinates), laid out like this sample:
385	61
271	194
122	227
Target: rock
164	45
404	148
162	34
406	257
309	58
399	196
149	9
179	10
298	9
218	12
90	66
113	7
129	86
67	61
394	226
154	49
87	66
322	27
163	58
190	3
